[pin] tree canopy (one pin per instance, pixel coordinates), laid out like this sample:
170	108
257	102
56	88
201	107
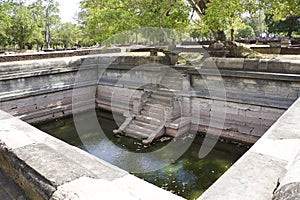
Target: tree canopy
221	15
282	9
287	26
102	19
25	23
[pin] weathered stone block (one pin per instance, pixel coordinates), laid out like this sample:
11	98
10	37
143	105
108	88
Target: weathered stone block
230	63
251	64
263	64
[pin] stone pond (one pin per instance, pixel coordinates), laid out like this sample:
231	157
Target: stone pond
259	94
189	176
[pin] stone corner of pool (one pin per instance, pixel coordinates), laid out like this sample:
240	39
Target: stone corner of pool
270	169
47	168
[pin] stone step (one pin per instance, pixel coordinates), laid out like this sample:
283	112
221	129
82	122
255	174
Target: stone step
164	89
161	97
178	123
164	92
176	77
172	85
159	116
155	109
173	73
135	134
146	125
171	82
149	120
141	129
159	102
156	105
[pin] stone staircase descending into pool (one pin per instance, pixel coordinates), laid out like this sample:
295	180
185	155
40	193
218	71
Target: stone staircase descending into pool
158	113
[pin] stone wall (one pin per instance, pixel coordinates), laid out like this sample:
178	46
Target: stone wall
38	90
42	90
258	91
47	168
277	50
254	100
55	54
274	169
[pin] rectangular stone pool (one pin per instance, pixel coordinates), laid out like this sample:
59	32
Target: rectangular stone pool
189	176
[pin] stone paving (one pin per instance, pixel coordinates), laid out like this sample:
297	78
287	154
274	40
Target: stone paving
9	190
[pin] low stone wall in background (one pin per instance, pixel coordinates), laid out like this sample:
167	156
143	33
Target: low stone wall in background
277	50
55	54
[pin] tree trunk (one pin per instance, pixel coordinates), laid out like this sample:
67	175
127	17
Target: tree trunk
289	34
160	21
220	35
136	38
22	45
47	29
232	34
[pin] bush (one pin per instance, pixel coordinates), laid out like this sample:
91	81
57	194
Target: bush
246	31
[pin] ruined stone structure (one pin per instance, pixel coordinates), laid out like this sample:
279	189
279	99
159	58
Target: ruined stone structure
158	111
258	91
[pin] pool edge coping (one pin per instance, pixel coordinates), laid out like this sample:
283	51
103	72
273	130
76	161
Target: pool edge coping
270	158
36	163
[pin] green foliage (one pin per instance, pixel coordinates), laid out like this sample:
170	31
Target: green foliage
66	35
24	24
47	16
5	24
16	24
287	26
36	22
254	22
221	15
102	19
281	9
200	30
245	31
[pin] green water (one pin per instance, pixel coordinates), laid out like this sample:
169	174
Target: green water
188	176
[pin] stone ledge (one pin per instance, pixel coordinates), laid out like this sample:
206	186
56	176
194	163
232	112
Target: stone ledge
270	158
128	187
255	64
254	176
45	166
45	55
245	74
289	184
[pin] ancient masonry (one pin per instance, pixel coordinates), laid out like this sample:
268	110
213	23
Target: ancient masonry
158	111
258	91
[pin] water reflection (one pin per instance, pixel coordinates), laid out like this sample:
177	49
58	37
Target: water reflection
188	176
